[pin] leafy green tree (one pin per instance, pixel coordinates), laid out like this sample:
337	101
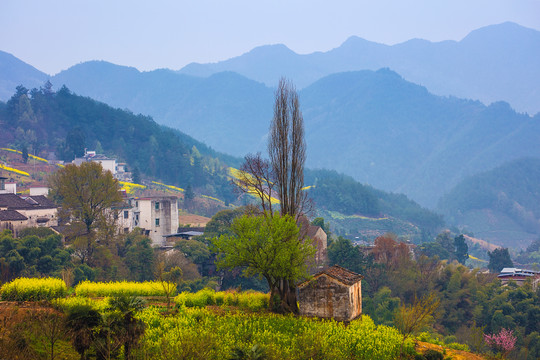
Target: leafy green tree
139	257
462	249
221	223
189	195
88	194
409	319
268	247
499	259
342	252
83	272
24	154
195	250
136	175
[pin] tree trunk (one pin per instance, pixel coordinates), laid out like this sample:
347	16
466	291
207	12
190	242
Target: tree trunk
287	293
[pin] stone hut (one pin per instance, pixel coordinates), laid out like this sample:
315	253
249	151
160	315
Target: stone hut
332	293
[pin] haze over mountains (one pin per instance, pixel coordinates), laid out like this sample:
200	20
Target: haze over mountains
498	62
373	125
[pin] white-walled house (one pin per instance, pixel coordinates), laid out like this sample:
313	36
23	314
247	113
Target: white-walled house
156	215
107	164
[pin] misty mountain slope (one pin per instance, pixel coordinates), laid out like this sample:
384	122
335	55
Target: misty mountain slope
501	205
395	135
493	63
14	72
374	126
218	110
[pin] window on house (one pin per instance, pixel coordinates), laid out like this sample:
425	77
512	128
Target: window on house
157	205
126	214
157	222
126	230
136	204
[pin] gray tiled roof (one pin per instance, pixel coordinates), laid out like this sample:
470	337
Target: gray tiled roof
15	202
11	215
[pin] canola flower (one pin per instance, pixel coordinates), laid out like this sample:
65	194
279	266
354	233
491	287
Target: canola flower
29	155
169	186
20	172
249	300
65	304
116	288
238	174
130	187
477	259
33	289
212	198
201	330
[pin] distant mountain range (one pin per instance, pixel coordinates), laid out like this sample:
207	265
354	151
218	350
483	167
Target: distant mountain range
493	63
373	125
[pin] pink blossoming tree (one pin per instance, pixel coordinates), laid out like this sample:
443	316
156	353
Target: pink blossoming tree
504	341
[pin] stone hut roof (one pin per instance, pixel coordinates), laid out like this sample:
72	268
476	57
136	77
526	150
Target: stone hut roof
312	230
344	276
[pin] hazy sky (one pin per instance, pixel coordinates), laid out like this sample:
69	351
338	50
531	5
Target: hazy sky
53	35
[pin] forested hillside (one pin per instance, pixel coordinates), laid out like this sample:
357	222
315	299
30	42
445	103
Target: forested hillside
506	198
358	210
65	124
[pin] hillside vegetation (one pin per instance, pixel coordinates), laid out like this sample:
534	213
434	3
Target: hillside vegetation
507	198
65	124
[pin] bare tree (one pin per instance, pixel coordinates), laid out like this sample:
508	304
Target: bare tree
255	178
287	150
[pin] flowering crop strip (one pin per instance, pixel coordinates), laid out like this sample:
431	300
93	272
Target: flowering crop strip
20	172
65	304
237	174
249	300
169	186
130	187
116	288
33	289
29	155
201	333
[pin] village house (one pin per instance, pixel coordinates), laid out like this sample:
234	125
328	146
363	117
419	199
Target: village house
332	293
157	216
7	187
19	212
520	276
90	156
118	170
320	241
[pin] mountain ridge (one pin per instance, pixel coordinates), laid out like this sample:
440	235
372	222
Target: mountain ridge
492	63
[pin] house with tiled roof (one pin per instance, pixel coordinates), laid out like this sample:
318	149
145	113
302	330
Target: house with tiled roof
38	210
12	220
334	293
520	277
